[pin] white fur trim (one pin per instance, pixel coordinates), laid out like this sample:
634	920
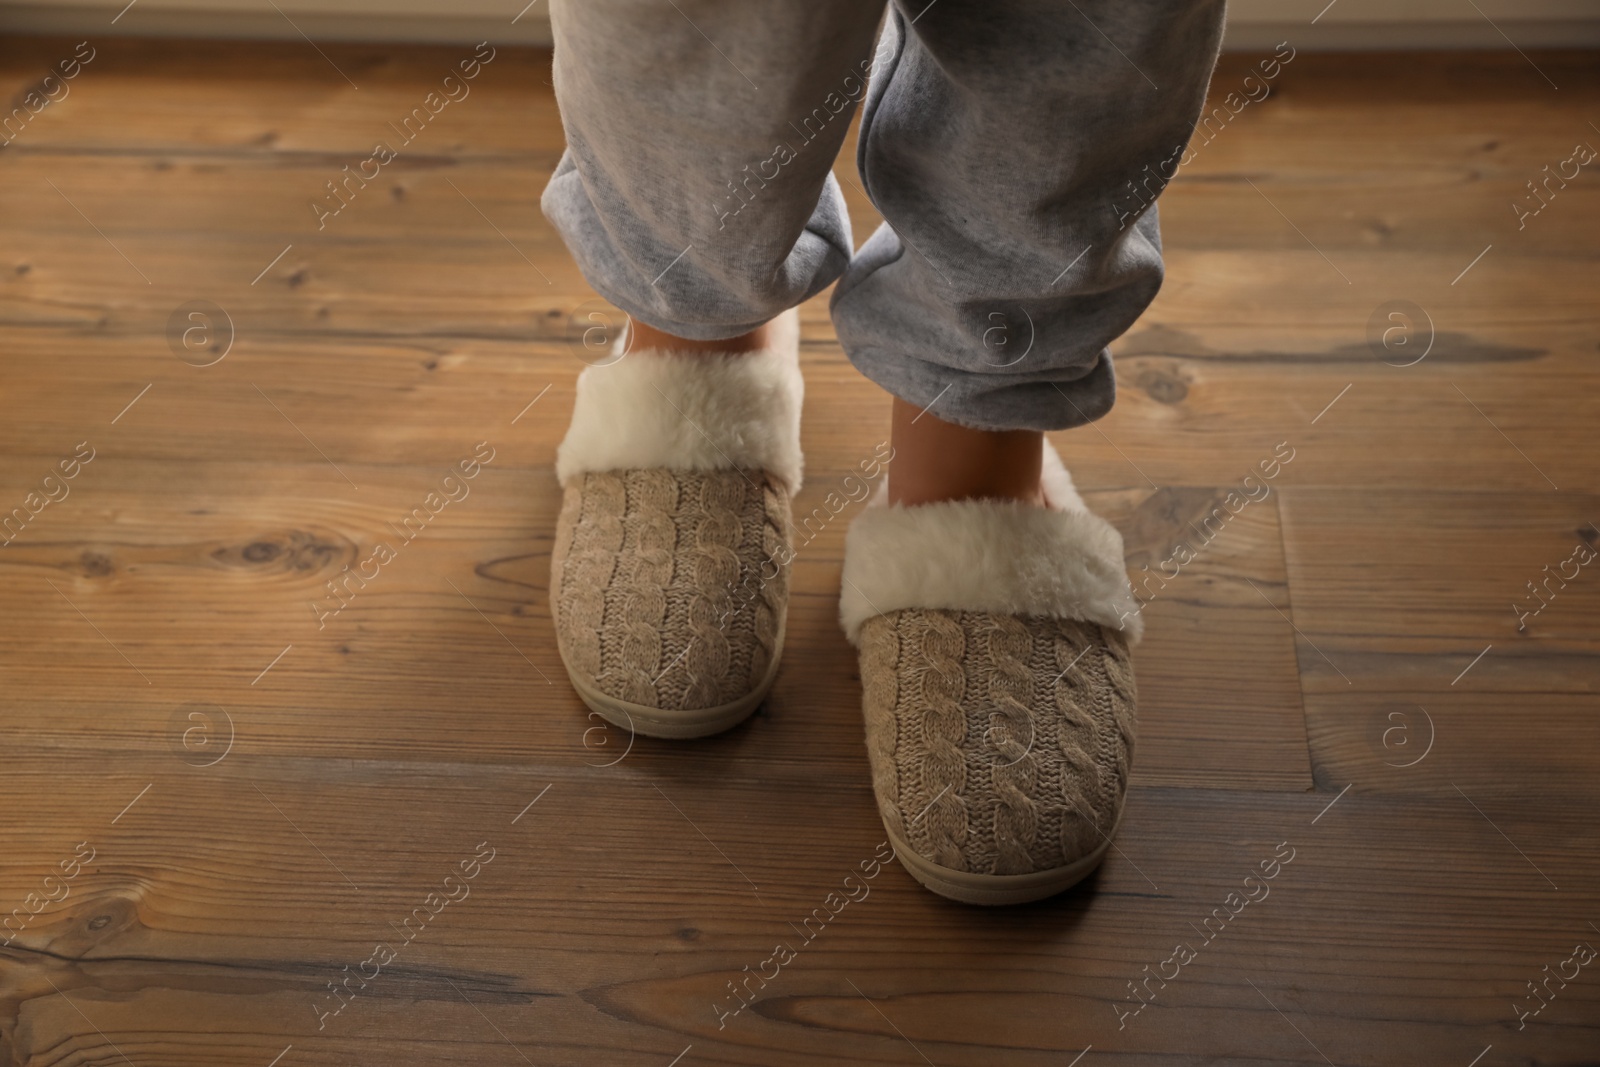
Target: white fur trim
987	555
691	411
1059	492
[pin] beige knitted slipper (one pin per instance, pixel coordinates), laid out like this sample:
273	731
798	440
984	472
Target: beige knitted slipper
999	698
669	580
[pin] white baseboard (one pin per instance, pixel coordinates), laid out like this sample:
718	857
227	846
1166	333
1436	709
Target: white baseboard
1253	25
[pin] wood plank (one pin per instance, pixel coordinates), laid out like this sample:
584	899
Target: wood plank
1219	699
1185	370
1235	391
241	213
369	757
135	551
285	100
606	927
1395	591
1398	741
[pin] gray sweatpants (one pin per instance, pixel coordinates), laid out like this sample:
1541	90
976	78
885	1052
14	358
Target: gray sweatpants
1015	148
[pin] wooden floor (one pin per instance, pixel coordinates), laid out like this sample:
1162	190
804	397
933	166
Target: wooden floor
214	810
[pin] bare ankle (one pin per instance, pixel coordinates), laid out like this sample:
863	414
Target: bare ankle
642	338
938	461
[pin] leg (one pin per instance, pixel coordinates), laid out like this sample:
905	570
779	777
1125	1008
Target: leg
696	195
643	338
696	190
1015	149
937	460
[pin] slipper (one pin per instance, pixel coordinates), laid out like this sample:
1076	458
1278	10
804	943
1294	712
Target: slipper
998	693
669	580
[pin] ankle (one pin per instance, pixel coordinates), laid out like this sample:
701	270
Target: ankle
643	338
937	461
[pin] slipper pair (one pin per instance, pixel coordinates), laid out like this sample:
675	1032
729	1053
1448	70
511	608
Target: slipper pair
993	636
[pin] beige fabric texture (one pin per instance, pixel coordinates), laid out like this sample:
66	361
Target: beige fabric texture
660	587
1000	744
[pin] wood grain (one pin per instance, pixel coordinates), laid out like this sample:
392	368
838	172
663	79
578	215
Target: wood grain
266	799
612	939
1395	590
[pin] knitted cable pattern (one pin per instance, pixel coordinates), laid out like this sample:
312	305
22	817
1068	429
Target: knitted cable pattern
774	595
657	587
1118	666
1117	711
712	561
999	744
943	772
589	536
1080	739
641	605
1014	774
880	697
